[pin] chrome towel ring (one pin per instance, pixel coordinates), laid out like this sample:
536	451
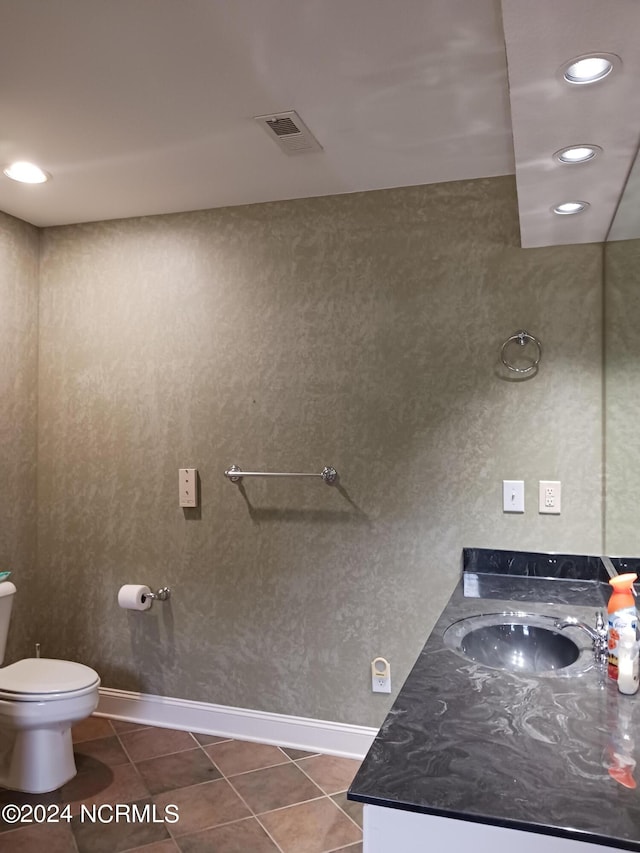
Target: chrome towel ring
521	338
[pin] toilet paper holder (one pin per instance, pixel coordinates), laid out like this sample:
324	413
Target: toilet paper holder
163	594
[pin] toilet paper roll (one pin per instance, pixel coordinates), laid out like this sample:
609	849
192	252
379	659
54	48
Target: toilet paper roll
132	596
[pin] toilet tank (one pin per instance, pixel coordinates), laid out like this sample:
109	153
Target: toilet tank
7	591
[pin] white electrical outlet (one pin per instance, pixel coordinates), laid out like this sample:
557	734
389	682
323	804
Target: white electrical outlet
550	497
188	487
380	675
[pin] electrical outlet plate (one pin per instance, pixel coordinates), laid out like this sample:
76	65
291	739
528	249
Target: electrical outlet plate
550	497
380	675
188	487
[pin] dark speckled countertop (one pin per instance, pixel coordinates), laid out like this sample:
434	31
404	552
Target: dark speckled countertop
531	752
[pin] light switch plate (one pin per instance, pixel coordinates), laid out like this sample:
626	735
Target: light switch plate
513	495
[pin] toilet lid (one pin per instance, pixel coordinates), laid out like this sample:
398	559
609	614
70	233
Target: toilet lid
46	675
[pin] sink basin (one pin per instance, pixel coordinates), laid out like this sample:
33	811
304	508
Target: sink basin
518	642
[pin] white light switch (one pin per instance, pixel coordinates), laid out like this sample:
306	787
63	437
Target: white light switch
513	495
549	497
188	487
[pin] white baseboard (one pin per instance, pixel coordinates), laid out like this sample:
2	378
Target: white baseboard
343	739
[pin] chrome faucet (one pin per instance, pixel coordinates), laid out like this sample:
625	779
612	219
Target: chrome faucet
598	634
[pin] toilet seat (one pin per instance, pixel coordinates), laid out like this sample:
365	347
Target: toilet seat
40	679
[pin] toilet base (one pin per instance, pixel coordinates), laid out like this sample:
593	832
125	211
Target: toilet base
40	761
36	748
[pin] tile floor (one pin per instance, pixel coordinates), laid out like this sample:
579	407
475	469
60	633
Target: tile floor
231	796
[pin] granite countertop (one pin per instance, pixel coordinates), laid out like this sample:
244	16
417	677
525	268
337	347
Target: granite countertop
548	754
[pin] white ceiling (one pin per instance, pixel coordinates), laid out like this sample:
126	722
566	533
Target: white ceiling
145	106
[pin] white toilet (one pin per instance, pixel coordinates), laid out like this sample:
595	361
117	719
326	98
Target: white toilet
40	699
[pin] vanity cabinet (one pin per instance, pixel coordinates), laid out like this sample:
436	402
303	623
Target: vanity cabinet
395	831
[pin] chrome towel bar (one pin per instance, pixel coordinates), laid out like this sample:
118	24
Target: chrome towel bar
235	474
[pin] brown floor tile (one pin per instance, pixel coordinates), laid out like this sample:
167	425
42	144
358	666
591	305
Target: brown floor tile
240	756
91	728
179	770
203	806
170	769
116	836
104	749
159	847
52	837
332	774
126	726
169	846
275	787
243	836
19	798
311	827
149	743
293	754
96	784
205	740
353	809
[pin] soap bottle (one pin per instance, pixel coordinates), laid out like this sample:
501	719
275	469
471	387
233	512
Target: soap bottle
628	662
622	616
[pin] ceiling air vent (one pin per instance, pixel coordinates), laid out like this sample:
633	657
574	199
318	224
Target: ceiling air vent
289	132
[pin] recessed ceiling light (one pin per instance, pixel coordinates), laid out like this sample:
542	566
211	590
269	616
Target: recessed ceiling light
589	68
577	153
567	208
26	173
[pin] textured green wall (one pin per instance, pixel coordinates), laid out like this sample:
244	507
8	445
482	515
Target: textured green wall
18	412
360	331
622	401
